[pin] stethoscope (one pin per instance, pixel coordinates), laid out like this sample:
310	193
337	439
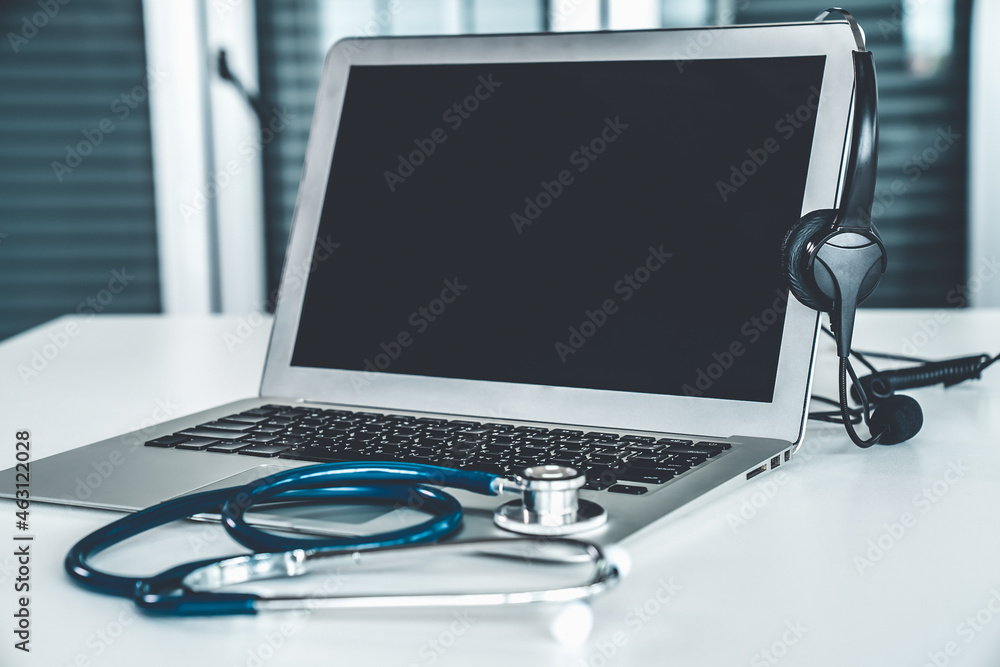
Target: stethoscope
549	509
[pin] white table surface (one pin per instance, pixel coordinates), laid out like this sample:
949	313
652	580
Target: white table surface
771	568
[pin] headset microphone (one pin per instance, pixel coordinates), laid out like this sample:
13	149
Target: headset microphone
834	258
898	419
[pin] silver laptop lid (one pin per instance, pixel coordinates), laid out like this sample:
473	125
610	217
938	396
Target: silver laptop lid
566	228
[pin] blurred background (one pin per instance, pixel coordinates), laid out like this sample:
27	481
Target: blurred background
137	176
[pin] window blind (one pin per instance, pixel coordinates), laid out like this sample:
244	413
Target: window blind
920	196
77	225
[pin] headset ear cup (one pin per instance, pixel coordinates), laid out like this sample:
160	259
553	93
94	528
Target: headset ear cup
795	256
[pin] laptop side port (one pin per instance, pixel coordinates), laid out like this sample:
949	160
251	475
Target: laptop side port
788	455
776	461
756	471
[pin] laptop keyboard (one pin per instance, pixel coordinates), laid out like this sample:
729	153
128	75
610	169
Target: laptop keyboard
611	461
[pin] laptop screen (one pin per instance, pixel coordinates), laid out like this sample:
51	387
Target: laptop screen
603	225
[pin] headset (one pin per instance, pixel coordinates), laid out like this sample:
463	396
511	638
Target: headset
833	259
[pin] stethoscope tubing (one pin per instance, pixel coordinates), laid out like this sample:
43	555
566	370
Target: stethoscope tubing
389	483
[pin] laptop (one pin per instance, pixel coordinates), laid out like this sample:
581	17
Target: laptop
523	249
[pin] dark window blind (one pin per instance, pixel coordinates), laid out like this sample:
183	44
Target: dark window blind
77	225
923	138
291	62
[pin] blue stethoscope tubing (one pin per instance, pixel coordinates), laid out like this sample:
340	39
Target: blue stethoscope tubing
386	483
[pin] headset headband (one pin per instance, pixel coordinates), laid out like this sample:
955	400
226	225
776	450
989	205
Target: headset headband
862	162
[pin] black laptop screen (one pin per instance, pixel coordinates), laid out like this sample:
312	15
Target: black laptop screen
605	225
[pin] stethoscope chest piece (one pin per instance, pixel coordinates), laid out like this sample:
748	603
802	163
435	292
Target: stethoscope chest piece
550	505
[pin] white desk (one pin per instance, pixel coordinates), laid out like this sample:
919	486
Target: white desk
775	567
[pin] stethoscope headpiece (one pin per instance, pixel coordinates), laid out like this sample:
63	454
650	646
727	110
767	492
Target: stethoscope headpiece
550	504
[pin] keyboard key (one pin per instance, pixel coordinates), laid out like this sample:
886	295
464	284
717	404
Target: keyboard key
247	417
563	461
673	441
315	454
167	441
488	467
598	484
263	410
268	428
570	451
466	445
711	445
645	475
674	449
472	432
227	425
290	441
345	421
228	447
605	459
644	449
499	428
603	473
638	438
644	462
266	451
261	438
450	463
631	490
197	443
467	424
216	433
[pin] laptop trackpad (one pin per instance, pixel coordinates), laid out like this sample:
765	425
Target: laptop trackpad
318	519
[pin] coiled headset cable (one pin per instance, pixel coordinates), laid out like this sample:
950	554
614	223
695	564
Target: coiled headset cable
879	387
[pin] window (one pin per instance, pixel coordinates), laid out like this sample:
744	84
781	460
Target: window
77	227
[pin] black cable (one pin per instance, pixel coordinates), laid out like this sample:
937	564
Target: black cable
860	356
880	385
949	372
824	399
862	395
834	416
989	363
845	368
